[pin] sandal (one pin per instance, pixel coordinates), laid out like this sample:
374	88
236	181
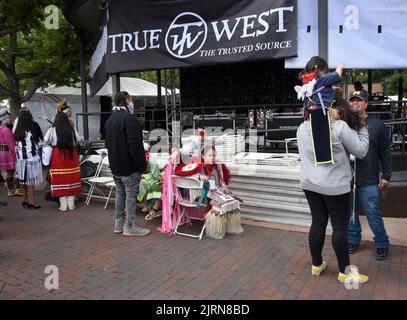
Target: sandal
153	214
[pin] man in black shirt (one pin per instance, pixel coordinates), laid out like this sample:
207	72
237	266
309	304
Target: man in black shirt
368	183
124	141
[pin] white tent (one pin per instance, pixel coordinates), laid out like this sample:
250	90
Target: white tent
135	86
43	102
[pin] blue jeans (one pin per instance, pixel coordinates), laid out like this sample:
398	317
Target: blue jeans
126	192
368	196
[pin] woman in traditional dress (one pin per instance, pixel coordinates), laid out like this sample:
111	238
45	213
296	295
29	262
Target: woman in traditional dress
28	166
65	171
7	153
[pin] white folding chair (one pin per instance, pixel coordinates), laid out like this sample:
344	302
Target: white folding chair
111	185
189	183
97	179
94	159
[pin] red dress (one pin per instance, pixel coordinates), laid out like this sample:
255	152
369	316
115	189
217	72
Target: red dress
65	173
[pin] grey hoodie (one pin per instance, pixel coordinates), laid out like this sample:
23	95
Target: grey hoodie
331	179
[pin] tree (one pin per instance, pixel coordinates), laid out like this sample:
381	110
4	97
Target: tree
389	78
38	47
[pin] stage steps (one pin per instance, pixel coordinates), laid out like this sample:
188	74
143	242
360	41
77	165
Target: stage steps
270	193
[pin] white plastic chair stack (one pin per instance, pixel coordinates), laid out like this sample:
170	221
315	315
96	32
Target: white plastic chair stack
229	145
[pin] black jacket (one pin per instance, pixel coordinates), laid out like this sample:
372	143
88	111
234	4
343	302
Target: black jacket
367	169
124	142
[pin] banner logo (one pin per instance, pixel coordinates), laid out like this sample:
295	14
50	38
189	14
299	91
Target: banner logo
186	35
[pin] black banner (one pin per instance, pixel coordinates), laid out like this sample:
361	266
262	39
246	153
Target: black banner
97	64
147	35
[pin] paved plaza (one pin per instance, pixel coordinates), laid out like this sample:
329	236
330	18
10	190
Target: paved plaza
94	263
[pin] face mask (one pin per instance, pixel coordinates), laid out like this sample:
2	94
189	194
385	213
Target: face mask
131	107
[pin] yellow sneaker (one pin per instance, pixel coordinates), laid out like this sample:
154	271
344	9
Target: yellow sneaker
352	276
18	192
11	193
317	270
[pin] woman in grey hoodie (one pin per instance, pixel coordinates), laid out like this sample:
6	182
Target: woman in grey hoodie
327	187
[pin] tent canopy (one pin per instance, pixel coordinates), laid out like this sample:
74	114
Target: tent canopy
43	105
134	86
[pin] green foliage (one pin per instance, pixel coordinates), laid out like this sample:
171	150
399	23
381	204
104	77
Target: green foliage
389	78
392	82
37	47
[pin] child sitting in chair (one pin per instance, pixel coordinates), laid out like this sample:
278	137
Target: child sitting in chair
224	215
150	188
217	175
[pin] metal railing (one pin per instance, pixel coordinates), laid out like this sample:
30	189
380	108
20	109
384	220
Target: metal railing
395	109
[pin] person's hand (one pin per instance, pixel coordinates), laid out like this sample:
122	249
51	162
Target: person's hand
362	122
204	178
383	184
173	157
339	69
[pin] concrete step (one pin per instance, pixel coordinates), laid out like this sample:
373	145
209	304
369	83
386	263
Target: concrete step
267	206
288	192
269	197
267	182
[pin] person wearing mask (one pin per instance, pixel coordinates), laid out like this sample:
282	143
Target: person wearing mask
327	188
127	160
65	177
28	166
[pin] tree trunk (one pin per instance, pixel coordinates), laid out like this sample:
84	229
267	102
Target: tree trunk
15	106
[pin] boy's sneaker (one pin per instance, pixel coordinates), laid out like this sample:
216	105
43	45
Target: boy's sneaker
18	192
135	231
353	248
382	253
118	225
353	276
317	270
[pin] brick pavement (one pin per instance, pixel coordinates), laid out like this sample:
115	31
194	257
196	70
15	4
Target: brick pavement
94	263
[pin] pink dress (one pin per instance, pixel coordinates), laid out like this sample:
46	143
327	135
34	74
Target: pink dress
8	157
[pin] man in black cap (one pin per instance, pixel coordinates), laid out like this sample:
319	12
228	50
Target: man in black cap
368	183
